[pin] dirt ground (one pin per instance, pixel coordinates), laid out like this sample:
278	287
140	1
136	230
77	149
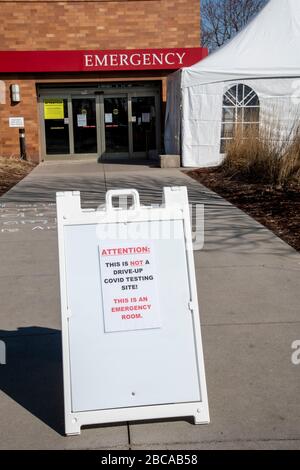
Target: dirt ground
12	171
276	208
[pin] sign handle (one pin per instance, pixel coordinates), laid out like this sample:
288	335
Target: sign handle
122	192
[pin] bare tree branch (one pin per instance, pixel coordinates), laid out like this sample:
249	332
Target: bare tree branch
222	19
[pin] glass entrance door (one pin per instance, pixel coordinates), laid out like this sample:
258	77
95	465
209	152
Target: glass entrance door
116	125
84	125
144	126
55	112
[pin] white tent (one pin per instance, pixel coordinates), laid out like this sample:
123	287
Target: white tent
259	69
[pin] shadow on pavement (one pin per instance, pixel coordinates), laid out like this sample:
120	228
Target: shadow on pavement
32	375
139	162
226	227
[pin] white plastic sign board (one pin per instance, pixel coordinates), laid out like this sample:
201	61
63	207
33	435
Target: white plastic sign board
132	346
16	122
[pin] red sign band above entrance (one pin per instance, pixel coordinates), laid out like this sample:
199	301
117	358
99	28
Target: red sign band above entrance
106	60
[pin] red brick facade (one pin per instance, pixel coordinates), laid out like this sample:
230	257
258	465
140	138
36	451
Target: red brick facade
83	25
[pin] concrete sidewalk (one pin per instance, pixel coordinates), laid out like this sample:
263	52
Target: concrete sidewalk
249	295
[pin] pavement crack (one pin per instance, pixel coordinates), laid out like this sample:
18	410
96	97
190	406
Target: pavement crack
129	436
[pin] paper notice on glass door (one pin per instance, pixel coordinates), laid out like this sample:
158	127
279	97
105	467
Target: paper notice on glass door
81	120
145	117
53	109
108	118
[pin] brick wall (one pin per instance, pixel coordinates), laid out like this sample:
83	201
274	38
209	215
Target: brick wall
84	24
9	138
31	25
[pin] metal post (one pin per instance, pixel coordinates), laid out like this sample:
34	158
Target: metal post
22	144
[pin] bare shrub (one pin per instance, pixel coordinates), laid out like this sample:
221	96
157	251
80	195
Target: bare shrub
290	162
263	155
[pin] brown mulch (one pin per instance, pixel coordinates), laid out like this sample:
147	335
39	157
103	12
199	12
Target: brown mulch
278	209
12	171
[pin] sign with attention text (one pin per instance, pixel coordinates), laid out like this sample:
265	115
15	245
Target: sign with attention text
100	60
129	286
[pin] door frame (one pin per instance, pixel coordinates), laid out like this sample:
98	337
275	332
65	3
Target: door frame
98	95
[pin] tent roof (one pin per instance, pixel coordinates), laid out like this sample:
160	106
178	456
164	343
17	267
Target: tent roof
268	46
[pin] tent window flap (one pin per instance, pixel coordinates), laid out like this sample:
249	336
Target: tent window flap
240	110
